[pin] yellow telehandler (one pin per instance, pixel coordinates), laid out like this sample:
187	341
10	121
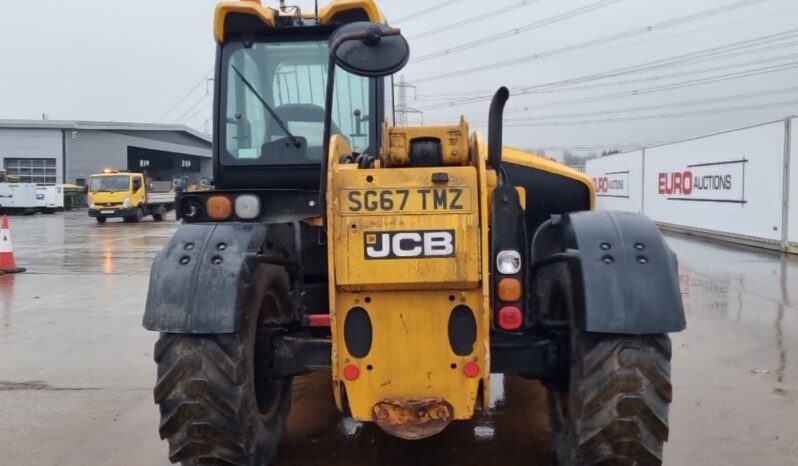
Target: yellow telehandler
411	263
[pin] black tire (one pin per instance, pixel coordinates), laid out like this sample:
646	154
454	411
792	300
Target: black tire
216	408
159	214
100	219
615	411
136	217
611	408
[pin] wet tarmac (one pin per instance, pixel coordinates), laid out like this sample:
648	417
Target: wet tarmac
76	367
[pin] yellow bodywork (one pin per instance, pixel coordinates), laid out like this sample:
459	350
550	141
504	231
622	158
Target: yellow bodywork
409	299
269	15
519	157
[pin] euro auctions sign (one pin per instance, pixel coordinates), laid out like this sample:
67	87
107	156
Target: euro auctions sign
612	184
721	181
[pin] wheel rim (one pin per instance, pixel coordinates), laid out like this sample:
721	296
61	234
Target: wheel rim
269	392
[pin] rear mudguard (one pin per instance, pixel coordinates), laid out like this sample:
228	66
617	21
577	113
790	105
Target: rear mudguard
617	268
201	281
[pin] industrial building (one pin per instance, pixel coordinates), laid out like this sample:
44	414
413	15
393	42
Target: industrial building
51	152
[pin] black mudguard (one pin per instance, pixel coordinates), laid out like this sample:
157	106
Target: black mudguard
621	274
202	279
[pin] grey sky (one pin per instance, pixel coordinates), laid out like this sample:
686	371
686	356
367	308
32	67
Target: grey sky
94	59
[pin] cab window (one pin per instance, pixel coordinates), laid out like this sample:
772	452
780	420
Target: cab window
276	90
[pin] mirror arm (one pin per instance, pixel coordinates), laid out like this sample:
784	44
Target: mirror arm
326	138
370	37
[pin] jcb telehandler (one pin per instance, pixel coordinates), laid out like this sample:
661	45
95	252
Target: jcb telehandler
410	262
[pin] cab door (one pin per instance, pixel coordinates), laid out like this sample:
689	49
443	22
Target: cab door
137	188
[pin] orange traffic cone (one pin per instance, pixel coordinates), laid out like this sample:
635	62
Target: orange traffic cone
7	263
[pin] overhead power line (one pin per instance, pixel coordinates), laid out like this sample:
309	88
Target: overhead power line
758	44
423	11
658	77
747	20
782	103
185	96
668	87
515	31
473	19
590	43
192	107
673	86
202	109
766	43
727	98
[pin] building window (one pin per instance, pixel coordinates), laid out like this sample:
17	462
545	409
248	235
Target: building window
39	171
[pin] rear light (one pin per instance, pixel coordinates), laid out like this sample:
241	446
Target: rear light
247	206
318	320
508	262
351	372
510	318
471	369
219	208
509	289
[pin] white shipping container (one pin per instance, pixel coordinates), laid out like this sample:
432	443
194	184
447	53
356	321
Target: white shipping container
728	183
619	181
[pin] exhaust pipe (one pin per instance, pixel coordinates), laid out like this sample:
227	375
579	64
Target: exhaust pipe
495	117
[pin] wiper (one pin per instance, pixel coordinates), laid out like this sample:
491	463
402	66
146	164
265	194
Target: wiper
268	107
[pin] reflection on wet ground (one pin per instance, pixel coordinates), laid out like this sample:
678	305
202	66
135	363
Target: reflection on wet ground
76	370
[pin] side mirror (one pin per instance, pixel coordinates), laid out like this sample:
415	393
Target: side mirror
364	49
369	49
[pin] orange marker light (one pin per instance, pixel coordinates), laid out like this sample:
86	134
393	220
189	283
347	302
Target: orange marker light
509	289
510	318
219	207
351	372
471	369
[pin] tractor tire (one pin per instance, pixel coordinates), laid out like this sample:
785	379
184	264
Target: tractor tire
615	409
216	406
101	219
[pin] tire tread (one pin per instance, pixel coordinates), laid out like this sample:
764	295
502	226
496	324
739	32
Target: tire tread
203	421
626	395
620	392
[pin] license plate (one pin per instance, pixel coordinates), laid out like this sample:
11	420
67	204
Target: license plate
409	200
106	211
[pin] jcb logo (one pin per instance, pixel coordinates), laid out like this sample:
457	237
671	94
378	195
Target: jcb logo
409	244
